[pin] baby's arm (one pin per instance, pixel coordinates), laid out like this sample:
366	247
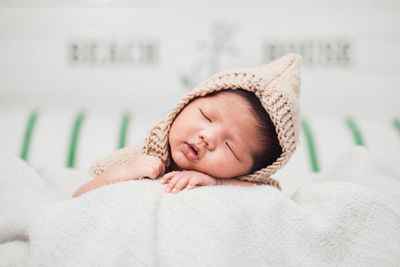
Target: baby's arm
136	168
178	180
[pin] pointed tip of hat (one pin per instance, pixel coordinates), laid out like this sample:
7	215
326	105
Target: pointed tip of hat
290	62
291	59
293	71
285	69
295	58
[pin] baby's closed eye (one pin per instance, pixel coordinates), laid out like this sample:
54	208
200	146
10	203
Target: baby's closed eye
233	152
204	115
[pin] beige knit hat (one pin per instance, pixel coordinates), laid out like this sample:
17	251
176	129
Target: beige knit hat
277	87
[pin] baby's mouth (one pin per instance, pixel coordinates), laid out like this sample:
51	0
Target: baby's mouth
190	151
195	150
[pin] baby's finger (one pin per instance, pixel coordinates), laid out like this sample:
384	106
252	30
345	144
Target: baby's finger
192	183
167	177
180	184
173	181
190	186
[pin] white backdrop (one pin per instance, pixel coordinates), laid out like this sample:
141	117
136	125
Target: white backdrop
142	56
135	54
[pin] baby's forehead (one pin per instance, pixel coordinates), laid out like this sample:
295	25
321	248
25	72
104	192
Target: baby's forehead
226	95
235	109
228	101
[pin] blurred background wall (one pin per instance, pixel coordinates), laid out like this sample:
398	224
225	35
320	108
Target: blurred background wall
141	56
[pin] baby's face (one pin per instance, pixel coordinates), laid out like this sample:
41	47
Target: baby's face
216	135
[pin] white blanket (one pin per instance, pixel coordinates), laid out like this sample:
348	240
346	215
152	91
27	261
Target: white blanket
349	217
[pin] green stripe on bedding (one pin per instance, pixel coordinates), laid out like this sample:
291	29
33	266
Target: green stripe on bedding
28	134
74	140
310	145
358	139
124	130
396	124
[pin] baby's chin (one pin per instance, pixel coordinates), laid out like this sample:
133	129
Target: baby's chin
179	161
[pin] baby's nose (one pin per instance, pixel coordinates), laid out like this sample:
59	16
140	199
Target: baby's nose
207	141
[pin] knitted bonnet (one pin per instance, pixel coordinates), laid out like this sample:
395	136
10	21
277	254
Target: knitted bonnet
277	87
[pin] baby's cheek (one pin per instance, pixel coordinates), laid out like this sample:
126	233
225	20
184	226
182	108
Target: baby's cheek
222	166
180	159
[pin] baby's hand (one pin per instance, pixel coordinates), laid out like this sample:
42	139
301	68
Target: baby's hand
138	167
180	179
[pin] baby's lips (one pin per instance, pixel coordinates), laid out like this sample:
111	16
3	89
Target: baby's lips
189	152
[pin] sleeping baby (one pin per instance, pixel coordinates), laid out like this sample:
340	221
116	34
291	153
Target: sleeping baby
238	127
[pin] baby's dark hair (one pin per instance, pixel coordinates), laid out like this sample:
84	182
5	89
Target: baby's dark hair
266	129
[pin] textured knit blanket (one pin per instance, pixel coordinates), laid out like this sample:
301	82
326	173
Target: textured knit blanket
349	216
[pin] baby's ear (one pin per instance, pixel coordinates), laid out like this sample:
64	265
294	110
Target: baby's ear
120	156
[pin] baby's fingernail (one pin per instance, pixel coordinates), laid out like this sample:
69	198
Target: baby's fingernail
174	190
161	181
